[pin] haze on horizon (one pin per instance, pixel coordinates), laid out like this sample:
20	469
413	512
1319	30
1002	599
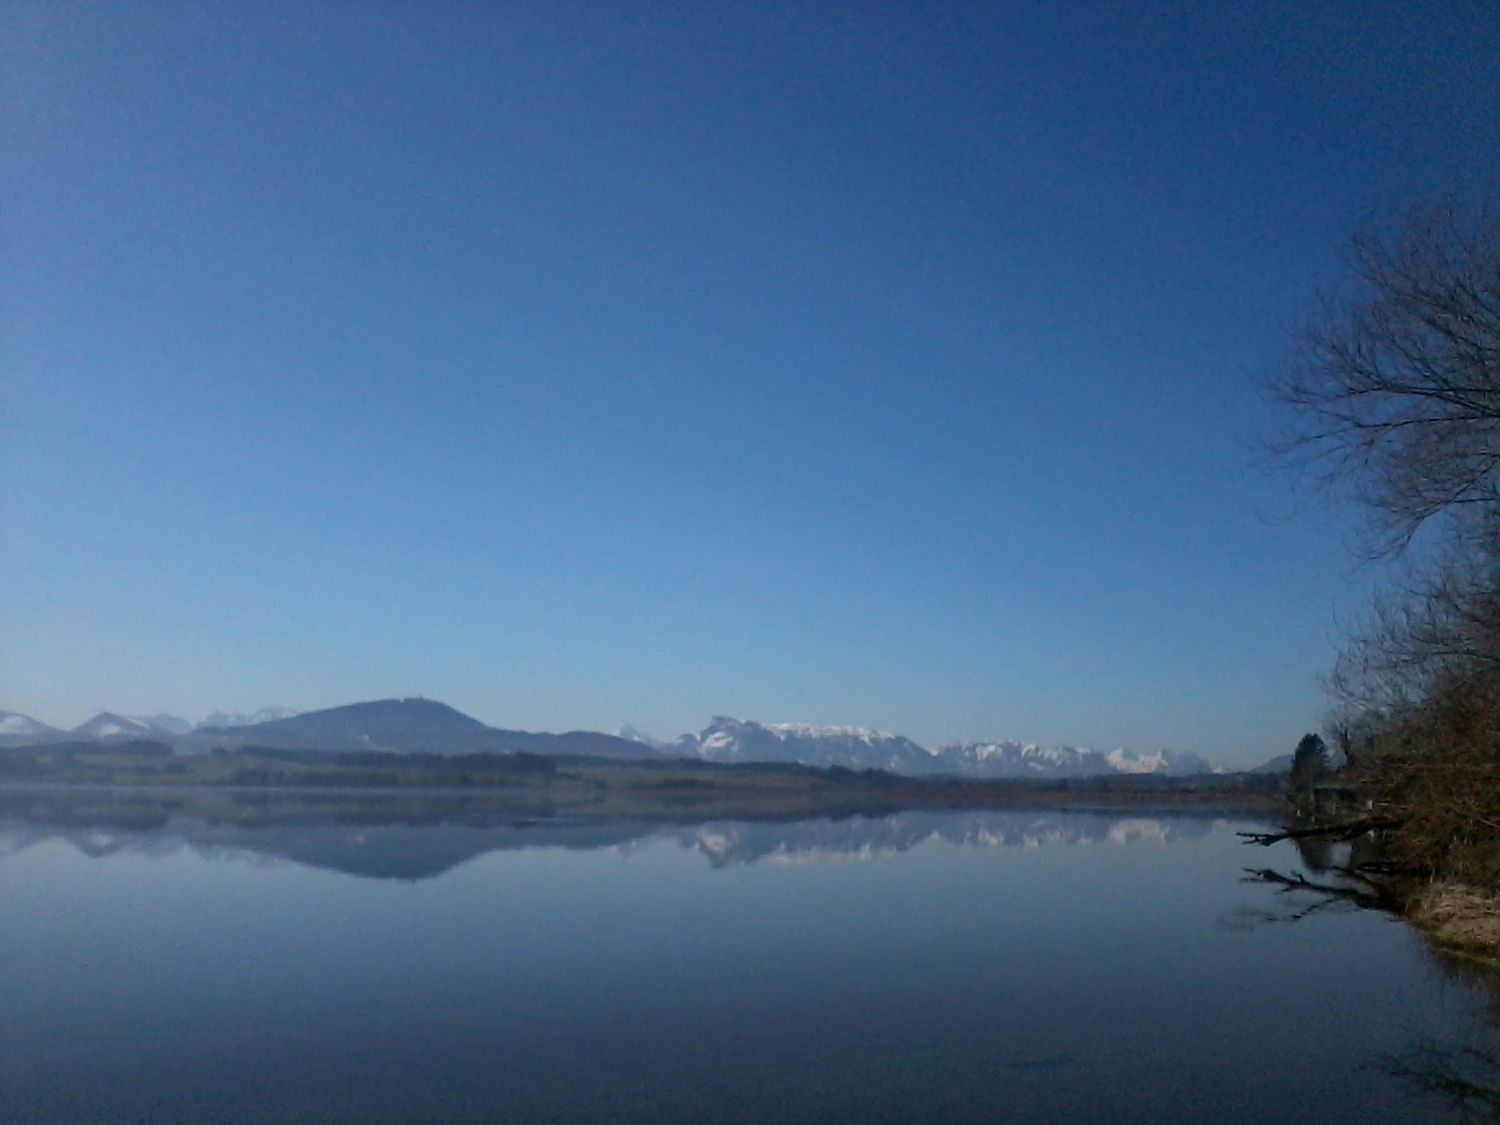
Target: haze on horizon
579	366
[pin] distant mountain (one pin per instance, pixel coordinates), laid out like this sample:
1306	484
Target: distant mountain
408	726
1282	763
683	746
404	725
427	726
1169	763
1019	759
739	740
22	730
110	727
248	718
633	733
167	724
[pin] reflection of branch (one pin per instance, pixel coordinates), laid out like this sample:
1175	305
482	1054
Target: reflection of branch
1343	830
1367	899
1247	919
1434	1070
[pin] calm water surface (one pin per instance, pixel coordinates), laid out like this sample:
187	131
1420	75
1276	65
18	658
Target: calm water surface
368	964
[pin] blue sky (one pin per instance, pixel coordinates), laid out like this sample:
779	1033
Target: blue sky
587	363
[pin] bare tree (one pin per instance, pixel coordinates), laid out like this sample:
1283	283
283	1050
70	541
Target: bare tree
1394	382
1393	391
1393	388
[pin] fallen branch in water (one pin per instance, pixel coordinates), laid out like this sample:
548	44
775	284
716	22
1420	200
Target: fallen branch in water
1343	830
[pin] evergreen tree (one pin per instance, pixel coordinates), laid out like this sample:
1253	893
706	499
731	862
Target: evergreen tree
1310	761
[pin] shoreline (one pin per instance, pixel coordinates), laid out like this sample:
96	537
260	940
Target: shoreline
575	799
1456	917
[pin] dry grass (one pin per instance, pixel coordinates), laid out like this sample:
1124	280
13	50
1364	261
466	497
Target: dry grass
1459	916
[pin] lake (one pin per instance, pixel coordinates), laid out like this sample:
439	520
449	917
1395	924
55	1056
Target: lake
276	958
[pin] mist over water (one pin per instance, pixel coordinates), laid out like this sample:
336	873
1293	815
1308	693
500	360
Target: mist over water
357	961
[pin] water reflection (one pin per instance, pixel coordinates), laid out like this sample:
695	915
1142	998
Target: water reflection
169	956
402	839
1467	1078
1459	1067
862	839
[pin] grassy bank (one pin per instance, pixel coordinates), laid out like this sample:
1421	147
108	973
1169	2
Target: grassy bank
1430	860
1457	917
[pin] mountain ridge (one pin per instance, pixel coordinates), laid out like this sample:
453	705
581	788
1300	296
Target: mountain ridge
730	740
417	724
408	725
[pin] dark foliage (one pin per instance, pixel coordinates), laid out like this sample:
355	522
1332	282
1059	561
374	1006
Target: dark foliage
1309	761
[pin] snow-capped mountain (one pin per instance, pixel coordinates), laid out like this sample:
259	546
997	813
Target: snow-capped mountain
739	740
1029	759
106	724
1018	759
111	726
683	746
22	730
168	724
1170	763
418	724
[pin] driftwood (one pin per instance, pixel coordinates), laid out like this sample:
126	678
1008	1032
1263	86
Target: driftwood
1343	830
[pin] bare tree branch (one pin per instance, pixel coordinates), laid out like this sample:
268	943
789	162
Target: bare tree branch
1392	393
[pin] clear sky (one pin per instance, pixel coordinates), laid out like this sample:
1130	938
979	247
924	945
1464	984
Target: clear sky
574	364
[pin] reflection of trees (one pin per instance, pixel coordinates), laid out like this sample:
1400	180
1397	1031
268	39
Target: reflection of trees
1315	896
1362	855
1351	854
1465	1071
1467	1078
1316	853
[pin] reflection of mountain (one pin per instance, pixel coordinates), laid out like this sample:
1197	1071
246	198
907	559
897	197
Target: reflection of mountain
408	841
405	851
828	840
378	851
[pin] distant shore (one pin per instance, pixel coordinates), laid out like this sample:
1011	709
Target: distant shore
602	788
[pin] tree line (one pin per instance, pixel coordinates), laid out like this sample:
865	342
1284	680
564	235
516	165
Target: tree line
1391	393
